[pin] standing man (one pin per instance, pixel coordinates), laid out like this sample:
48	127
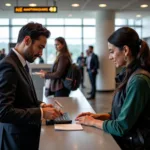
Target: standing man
20	111
92	66
81	65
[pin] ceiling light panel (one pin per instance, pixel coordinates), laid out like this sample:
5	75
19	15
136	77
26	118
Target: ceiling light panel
75	5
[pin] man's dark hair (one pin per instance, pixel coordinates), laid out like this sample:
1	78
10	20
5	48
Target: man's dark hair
34	30
91	47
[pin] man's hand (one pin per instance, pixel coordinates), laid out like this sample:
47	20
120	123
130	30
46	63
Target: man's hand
51	113
47	105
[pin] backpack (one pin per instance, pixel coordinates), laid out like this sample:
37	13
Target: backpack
73	78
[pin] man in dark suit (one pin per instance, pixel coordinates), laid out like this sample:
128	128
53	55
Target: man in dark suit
20	111
92	67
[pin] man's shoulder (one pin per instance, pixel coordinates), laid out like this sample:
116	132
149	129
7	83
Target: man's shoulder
94	56
9	60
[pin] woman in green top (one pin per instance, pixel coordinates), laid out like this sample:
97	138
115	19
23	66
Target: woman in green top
129	120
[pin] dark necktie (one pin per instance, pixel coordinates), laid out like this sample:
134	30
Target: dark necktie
27	68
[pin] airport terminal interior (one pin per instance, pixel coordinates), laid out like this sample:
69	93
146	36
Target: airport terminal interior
82	23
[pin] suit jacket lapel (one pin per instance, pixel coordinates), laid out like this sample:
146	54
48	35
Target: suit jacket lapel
24	73
21	68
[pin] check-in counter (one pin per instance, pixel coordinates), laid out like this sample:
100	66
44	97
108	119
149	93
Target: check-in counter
89	139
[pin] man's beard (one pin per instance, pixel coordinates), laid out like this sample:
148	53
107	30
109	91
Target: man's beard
29	57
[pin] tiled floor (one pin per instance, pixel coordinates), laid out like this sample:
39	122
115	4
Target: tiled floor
102	102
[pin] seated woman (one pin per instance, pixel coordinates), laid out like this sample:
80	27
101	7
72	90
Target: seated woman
59	69
129	120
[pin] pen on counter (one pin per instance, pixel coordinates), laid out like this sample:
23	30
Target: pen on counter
58	104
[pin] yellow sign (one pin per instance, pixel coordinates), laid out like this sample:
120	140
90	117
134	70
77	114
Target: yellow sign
50	9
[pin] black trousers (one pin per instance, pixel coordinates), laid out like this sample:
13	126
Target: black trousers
64	92
23	137
92	77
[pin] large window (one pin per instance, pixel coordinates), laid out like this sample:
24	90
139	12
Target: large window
120	21
89	21
75	48
18	21
79	33
136	24
75	30
51	52
4	38
4	21
15	32
55	21
56	32
72	21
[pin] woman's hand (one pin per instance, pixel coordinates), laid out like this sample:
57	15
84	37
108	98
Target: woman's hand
95	116
86	120
42	73
90	121
84	114
104	116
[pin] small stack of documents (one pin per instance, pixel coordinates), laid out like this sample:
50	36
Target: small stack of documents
68	127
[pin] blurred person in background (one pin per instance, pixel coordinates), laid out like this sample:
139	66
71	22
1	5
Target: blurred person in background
81	64
59	69
92	67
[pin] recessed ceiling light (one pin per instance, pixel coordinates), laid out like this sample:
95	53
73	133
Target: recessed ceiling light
102	5
144	6
75	5
8	4
138	16
32	5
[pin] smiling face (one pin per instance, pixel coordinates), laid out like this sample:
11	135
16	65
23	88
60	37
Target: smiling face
32	50
116	55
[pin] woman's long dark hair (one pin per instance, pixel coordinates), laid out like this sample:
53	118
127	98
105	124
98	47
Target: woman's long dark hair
64	50
139	50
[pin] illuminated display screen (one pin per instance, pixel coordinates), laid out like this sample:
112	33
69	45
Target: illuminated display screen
50	9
